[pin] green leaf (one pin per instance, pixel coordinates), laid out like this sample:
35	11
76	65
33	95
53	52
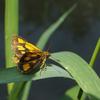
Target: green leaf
71	93
81	95
11	29
13	75
95	53
86	78
49	31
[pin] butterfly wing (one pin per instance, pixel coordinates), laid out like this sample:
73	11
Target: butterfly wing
30	61
20	46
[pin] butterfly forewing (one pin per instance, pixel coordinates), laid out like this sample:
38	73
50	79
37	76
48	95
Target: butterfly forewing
20	46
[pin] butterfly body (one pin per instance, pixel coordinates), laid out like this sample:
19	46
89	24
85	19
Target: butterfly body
27	56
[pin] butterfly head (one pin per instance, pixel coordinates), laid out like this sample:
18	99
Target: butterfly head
46	54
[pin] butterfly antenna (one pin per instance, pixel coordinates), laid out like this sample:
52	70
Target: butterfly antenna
48	48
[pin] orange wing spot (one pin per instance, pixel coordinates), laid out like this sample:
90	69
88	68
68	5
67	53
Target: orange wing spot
26	67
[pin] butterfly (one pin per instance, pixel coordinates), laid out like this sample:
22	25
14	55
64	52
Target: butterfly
27	56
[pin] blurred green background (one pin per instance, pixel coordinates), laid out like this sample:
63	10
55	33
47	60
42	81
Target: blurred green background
79	33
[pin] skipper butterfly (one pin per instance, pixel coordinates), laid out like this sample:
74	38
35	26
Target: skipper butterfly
27	56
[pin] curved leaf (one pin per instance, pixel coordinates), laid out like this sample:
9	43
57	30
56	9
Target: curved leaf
13	75
50	30
80	71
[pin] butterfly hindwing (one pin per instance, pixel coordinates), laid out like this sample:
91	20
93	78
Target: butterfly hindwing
29	61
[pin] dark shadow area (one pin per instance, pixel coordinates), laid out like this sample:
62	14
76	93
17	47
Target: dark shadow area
50	89
3	92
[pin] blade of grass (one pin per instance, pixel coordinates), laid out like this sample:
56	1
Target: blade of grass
16	91
86	78
93	58
26	91
8	75
71	93
11	28
92	61
49	31
12	75
95	53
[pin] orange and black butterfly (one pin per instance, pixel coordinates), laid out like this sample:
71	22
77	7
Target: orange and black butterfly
27	56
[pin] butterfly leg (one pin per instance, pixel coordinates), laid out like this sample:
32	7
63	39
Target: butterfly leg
43	66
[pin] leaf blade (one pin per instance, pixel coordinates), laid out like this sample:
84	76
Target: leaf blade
80	71
50	30
13	75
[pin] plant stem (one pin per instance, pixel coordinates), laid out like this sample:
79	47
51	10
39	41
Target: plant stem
11	28
96	51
